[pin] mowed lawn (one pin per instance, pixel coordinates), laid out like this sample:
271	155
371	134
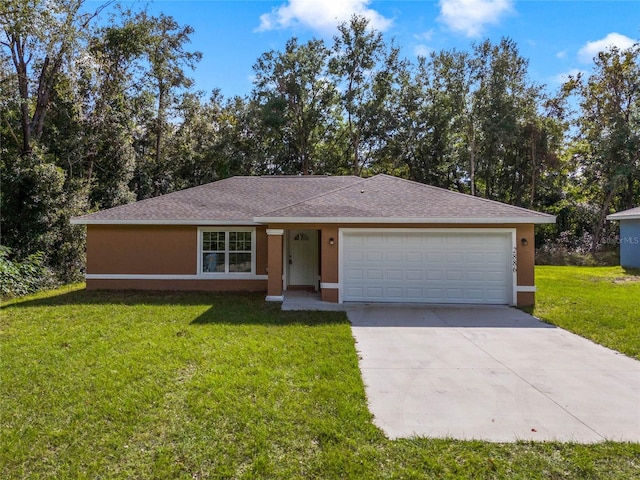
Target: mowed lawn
599	303
193	385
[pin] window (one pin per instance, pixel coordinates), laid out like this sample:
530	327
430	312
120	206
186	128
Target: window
226	251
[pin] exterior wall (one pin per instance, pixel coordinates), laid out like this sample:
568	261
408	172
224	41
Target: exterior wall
630	243
142	249
526	264
274	285
329	253
329	264
262	254
170	250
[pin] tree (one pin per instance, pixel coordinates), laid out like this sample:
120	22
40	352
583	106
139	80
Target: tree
296	101
365	71
167	59
428	116
39	37
607	143
109	95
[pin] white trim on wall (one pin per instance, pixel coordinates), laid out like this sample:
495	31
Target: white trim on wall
274	298
514	250
526	289
136	276
391	220
329	285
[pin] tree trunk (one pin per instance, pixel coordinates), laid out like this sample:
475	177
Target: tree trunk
597	231
159	135
533	168
472	160
18	56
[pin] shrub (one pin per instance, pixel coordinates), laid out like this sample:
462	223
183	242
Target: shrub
19	278
559	255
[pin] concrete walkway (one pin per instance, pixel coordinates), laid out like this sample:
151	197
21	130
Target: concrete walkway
491	373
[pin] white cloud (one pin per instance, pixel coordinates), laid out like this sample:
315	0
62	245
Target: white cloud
471	16
562	54
321	15
591	49
422	50
426	36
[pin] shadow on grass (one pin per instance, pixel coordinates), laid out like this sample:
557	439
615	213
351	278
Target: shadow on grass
267	314
235	308
634	272
128	297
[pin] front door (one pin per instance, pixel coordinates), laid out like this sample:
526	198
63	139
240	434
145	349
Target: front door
303	258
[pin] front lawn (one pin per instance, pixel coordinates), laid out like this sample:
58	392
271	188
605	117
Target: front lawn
599	303
194	385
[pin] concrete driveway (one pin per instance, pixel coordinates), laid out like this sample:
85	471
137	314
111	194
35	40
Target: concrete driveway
491	373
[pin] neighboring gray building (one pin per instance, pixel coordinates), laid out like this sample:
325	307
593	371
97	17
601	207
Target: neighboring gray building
629	236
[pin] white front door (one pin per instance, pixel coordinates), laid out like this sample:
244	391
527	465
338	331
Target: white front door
303	257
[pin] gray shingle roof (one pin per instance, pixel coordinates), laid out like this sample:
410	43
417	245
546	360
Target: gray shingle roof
631	214
388	199
349	199
233	200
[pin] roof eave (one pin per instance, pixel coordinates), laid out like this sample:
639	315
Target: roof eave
398	220
96	221
618	217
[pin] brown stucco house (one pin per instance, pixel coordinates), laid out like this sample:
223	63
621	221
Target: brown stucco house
377	239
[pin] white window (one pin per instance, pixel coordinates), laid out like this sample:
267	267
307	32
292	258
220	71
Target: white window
229	251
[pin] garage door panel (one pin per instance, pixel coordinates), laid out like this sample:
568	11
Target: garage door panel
435	274
394	292
395	257
413	256
393	274
417	293
375	256
354	274
374	274
475	276
433	267
475	294
352	256
455	257
456	294
375	292
454	275
415	275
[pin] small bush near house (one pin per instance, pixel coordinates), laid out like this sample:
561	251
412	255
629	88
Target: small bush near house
19	278
569	250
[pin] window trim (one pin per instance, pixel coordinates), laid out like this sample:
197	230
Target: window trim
228	275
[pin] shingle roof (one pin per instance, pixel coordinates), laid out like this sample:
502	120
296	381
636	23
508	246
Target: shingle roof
325	199
233	200
631	214
388	199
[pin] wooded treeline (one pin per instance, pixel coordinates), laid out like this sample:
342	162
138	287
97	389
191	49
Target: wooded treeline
99	110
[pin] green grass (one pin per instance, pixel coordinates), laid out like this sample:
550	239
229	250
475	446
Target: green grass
193	385
599	303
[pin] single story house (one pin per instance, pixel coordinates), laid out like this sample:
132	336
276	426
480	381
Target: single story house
377	239
629	236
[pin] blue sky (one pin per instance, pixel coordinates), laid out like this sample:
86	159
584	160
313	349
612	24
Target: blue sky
558	37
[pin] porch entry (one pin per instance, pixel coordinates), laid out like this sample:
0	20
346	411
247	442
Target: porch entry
302	259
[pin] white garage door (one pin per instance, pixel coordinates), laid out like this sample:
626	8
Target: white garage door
427	267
